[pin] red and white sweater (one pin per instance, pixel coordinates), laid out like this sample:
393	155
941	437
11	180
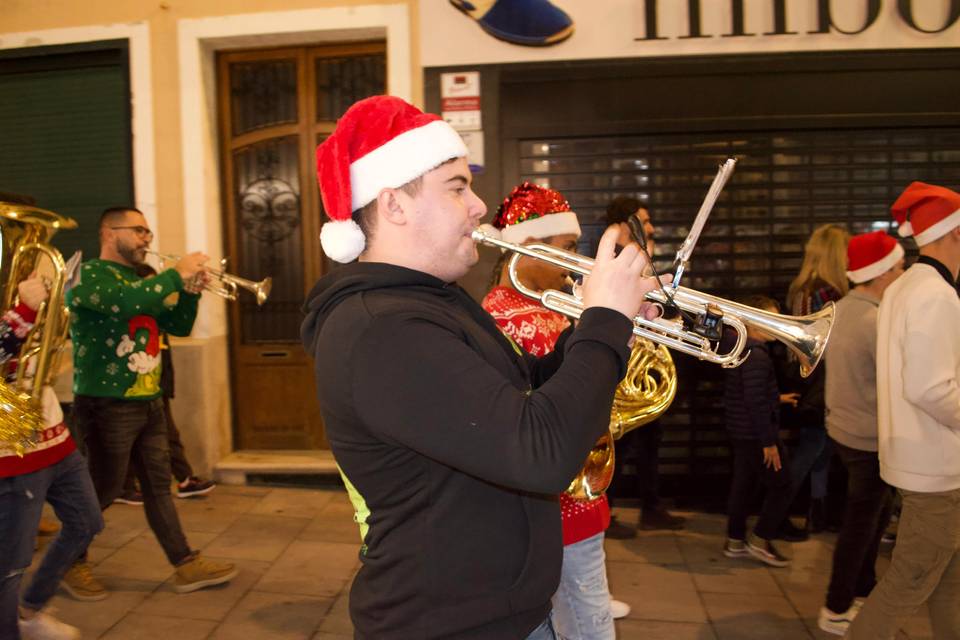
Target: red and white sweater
54	443
536	329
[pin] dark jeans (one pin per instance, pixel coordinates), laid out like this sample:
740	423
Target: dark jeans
641	449
68	488
869	503
118	431
749	474
810	455
178	457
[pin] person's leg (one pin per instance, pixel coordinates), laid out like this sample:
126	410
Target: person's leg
742	486
648	460
819	472
152	461
581	605
74	501
944	602
777	497
544	631
21	503
178	456
855	554
111	427
924	551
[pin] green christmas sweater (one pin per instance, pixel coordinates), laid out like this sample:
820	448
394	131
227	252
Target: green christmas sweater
116	320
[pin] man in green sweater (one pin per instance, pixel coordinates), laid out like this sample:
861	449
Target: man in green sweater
116	320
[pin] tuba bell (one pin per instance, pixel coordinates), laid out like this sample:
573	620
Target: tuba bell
25	234
643	395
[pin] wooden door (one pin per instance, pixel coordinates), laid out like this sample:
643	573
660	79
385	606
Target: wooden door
275	106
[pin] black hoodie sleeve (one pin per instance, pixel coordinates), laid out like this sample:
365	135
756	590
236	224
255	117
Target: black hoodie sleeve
418	384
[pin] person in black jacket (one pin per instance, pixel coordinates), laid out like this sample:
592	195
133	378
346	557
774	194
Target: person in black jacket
452	443
752	414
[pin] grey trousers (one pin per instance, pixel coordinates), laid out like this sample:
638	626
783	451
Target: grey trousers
925	569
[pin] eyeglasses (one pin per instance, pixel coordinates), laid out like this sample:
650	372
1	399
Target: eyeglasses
142	232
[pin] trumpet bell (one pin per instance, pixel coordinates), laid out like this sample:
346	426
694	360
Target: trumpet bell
262	290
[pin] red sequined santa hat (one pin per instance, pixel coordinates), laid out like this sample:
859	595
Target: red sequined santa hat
870	255
531	211
926	212
379	143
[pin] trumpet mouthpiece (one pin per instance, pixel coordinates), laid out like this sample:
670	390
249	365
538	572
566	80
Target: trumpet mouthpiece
484	232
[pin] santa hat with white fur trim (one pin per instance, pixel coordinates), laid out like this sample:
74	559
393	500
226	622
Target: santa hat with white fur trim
379	143
926	212
532	211
870	255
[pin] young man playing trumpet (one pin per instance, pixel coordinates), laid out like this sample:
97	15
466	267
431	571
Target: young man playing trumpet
116	317
453	443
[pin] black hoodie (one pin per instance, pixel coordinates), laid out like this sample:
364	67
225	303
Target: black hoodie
457	443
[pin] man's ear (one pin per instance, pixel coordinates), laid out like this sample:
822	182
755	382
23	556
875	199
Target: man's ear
391	206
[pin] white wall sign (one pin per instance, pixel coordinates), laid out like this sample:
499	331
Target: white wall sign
655	28
460	100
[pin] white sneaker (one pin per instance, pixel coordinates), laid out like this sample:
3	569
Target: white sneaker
45	627
619	609
837	623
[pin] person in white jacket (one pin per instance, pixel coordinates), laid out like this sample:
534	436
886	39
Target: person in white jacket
918	410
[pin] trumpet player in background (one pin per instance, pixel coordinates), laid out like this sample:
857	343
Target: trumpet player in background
53	470
582	607
453	443
116	320
641	448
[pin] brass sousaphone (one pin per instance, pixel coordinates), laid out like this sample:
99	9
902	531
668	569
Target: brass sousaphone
25	244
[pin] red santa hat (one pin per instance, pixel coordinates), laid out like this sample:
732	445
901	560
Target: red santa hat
870	255
379	143
926	212
532	211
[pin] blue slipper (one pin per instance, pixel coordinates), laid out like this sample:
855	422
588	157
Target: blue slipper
535	23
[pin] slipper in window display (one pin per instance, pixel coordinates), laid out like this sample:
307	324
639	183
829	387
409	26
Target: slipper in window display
534	23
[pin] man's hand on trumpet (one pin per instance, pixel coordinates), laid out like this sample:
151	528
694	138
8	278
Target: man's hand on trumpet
192	269
617	282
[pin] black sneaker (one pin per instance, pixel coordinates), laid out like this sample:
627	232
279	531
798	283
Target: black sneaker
194	486
765	552
653	519
130	497
790	532
619	531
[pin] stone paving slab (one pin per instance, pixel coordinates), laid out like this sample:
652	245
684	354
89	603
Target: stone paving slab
297	551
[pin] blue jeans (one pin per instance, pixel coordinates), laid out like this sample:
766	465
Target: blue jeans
543	632
68	488
811	454
581	605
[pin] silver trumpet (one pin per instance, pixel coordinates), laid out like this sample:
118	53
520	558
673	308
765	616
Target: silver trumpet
226	285
805	336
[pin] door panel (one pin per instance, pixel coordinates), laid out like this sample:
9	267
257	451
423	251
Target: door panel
274	106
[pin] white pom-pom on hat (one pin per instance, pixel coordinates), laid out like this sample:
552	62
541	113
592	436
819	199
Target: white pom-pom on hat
380	142
342	240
